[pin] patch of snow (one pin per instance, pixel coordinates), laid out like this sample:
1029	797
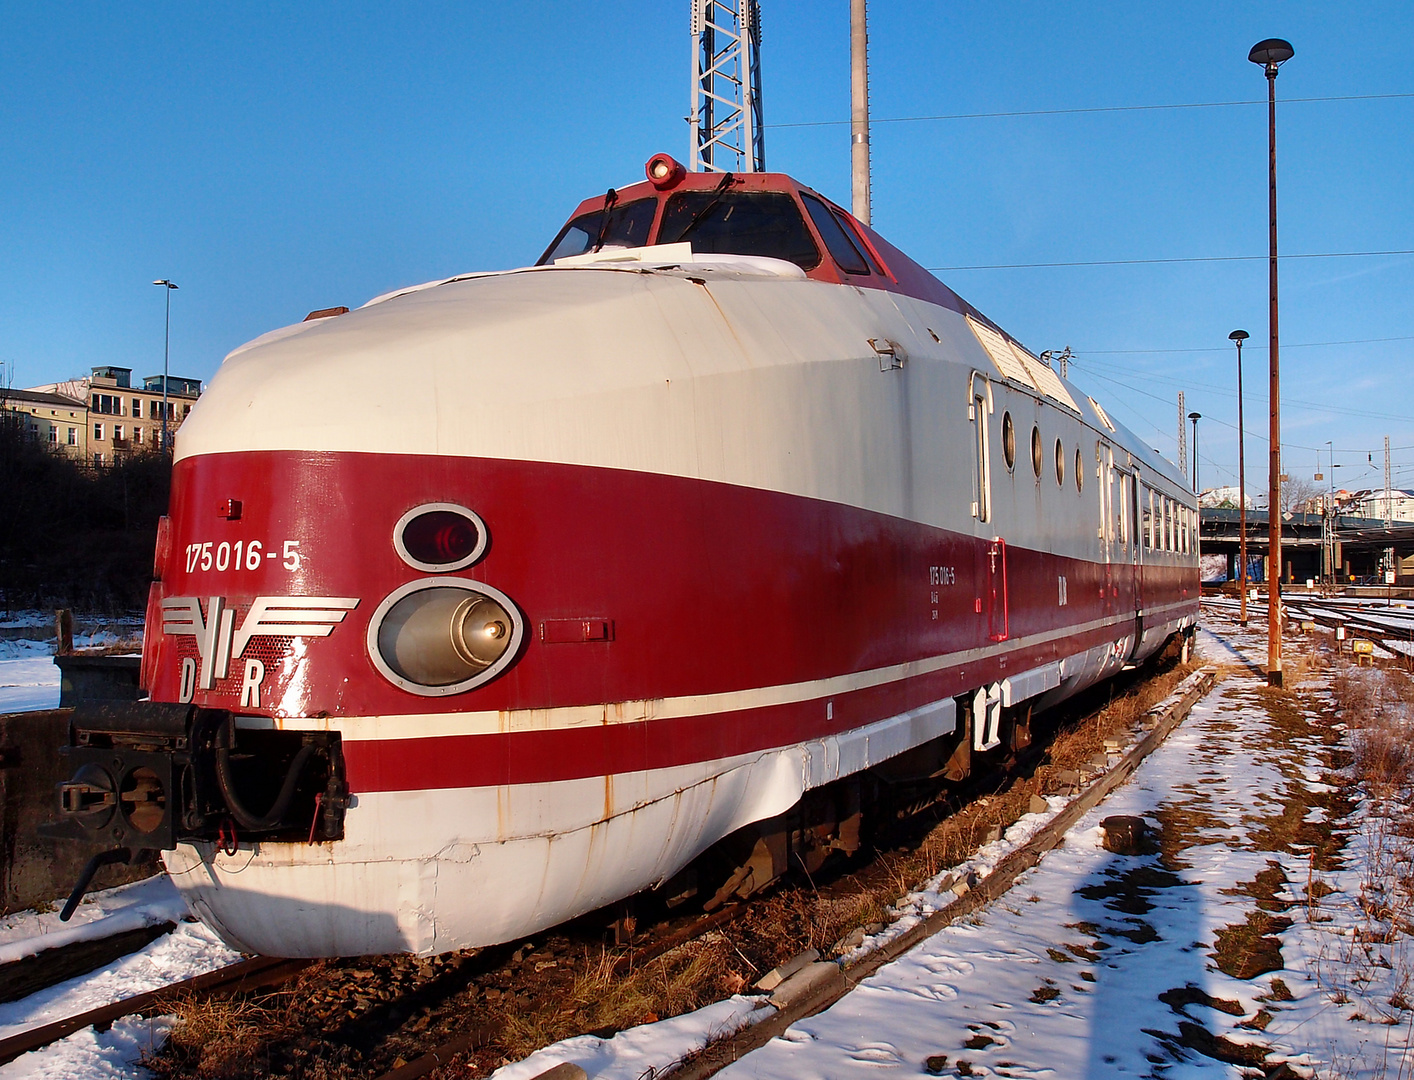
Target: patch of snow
190	949
149	902
28	678
115	1053
641	1051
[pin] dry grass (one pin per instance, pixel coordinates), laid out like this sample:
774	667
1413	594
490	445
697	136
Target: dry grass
218	1038
1374	966
601	999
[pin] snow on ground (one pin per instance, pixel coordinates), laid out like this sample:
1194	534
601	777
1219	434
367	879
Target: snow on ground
189	950
150	902
1097	964
641	1051
29	679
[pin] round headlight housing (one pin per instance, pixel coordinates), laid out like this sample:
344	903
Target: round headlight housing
444	636
440	537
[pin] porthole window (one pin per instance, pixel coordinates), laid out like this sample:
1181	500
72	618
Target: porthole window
439	537
1060	463
1079	471
1008	441
1036	456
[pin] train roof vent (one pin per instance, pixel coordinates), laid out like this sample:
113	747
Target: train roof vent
1047	381
999	349
1104	416
1018	365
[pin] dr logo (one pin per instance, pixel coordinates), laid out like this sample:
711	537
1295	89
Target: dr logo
218	641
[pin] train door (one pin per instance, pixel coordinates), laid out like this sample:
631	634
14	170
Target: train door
989	567
979	408
1105	475
1141	531
998	624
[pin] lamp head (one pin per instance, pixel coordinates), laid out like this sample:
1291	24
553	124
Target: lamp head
1239	336
1195	417
164	281
1271	54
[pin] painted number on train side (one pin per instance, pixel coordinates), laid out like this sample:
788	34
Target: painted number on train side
940	575
242	555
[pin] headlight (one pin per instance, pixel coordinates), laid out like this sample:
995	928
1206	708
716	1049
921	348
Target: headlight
444	635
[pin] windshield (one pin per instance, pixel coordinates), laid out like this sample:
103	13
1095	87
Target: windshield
740	223
628	227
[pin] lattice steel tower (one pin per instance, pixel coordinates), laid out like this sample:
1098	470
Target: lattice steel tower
727	132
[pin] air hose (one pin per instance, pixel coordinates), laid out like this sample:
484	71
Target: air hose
227	784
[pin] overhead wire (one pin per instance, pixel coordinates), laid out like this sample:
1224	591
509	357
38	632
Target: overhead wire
1007	114
1187	259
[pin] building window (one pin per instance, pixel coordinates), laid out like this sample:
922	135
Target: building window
98	460
73	436
137	406
137	436
53	435
152	410
98	434
117	432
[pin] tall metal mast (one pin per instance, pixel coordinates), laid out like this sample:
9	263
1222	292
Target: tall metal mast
727	131
859	109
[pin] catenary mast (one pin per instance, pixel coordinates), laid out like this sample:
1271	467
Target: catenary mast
727	131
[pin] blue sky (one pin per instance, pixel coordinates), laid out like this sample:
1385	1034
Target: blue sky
272	161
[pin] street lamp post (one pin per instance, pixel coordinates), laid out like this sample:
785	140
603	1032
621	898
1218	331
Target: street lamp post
166	355
1271	54
1195	417
1237	337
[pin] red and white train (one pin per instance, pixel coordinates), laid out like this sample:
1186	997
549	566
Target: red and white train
504	597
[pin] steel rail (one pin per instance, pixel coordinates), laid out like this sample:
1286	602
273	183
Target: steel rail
259	972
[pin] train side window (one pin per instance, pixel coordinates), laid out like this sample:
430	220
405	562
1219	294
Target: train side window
1008	442
870	256
1146	501
1123	513
1037	457
1079	472
1060	464
840	244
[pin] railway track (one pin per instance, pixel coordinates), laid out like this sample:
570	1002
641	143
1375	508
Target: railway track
401	1017
1387	626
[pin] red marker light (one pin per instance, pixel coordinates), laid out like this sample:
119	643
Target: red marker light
664	171
440	536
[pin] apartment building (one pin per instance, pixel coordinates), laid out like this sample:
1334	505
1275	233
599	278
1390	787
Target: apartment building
112	417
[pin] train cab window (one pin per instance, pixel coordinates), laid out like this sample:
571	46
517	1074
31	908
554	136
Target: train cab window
628	226
839	243
765	223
